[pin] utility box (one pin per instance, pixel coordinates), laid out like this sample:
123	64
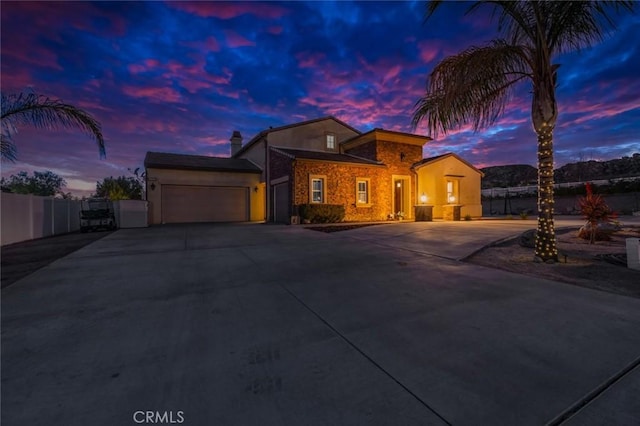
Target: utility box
633	253
423	213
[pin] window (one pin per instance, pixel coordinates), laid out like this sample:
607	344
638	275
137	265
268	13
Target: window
452	191
317	189
362	191
331	141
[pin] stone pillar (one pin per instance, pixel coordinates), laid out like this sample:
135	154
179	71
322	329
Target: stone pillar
423	213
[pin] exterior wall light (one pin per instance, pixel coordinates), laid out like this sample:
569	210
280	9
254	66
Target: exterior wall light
255	189
152	186
423	198
452	199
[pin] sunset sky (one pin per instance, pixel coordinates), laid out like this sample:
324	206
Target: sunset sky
180	77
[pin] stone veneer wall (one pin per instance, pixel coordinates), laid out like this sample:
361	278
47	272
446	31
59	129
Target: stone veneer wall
341	187
389	154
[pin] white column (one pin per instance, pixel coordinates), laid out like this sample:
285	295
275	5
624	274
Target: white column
633	253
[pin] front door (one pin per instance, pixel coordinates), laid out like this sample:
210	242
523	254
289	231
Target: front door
398	198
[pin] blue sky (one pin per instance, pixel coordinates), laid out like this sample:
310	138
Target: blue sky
181	76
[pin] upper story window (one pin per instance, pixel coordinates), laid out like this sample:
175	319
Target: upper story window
331	141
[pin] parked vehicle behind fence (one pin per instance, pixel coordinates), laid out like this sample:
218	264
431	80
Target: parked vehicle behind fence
96	214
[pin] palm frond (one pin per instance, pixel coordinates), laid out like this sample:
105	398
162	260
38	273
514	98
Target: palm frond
576	24
8	150
471	87
42	112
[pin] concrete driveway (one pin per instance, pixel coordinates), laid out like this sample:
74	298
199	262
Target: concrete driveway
267	324
451	240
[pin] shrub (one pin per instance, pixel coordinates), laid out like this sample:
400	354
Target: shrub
467	217
321	213
596	211
524	215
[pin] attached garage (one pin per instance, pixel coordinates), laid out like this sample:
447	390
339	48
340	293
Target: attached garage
183	203
190	188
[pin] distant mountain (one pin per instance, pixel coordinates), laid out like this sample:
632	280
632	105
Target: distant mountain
509	176
594	170
523	174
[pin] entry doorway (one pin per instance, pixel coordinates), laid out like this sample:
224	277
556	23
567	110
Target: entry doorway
398	196
402	196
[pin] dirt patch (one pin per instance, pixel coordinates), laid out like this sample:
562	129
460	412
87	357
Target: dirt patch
338	228
21	259
587	265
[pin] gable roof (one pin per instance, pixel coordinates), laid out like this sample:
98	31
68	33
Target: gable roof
164	160
388	135
263	133
436	158
325	156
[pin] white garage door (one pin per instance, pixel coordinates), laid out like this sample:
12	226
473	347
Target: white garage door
182	204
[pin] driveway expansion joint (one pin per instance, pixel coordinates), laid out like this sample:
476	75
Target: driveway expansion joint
364	354
584	402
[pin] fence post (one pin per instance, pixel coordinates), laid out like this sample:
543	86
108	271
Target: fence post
53	216
30	216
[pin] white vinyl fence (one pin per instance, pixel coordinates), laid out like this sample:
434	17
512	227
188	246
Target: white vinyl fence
25	217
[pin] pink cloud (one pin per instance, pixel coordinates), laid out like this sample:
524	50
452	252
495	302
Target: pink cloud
236	40
210	44
275	30
33	55
428	51
229	10
146	65
392	73
157	94
310	60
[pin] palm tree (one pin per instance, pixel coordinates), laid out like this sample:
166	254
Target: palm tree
42	112
475	85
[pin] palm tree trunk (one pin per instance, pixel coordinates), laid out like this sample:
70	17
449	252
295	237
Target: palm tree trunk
545	247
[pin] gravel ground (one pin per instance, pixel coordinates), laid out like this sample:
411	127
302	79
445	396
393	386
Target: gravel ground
21	259
582	267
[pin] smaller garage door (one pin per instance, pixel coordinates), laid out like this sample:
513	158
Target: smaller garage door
184	204
281	205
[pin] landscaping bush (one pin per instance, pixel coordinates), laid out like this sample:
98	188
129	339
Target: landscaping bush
598	215
321	213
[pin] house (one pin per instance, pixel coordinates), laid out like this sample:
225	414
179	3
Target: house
374	175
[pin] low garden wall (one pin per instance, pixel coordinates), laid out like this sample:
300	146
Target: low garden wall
624	203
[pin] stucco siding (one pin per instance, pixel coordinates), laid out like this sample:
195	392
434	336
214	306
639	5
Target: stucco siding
256	154
160	177
432	181
311	136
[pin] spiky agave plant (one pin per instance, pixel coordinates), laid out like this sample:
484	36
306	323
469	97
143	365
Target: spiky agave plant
475	85
43	113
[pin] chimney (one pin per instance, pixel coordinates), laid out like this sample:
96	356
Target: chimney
236	142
